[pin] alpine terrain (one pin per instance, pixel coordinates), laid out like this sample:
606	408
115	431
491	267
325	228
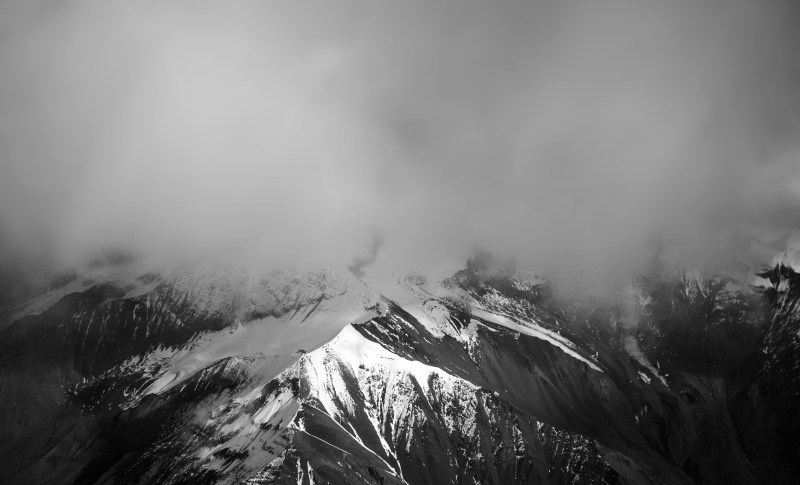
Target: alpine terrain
215	374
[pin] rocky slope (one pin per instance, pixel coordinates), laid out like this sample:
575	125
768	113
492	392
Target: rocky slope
219	375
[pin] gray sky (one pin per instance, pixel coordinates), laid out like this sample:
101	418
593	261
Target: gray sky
563	131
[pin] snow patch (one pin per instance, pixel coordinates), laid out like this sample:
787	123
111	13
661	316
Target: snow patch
273	406
533	330
632	347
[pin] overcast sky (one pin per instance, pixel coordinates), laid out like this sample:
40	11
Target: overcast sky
556	131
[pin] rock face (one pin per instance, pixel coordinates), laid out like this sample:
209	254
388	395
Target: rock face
217	375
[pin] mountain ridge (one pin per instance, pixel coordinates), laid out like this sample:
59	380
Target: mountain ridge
312	377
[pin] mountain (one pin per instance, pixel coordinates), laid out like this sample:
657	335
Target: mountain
215	374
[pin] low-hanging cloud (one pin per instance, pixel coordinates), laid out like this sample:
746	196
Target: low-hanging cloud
570	132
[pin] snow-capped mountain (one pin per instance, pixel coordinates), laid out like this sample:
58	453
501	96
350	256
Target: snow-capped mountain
214	374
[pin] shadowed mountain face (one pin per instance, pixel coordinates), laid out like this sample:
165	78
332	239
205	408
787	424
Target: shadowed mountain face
217	375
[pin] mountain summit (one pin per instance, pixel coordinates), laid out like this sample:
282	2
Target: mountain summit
213	374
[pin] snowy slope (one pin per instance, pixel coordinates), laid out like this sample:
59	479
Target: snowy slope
215	374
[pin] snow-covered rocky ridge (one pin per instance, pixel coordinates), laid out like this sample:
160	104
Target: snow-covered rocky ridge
219	375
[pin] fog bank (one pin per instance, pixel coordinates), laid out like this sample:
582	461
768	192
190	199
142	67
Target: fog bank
567	133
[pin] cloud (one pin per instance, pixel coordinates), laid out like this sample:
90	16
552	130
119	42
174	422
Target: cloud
361	262
574	133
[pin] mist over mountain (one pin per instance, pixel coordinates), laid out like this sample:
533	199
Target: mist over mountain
549	131
406	242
